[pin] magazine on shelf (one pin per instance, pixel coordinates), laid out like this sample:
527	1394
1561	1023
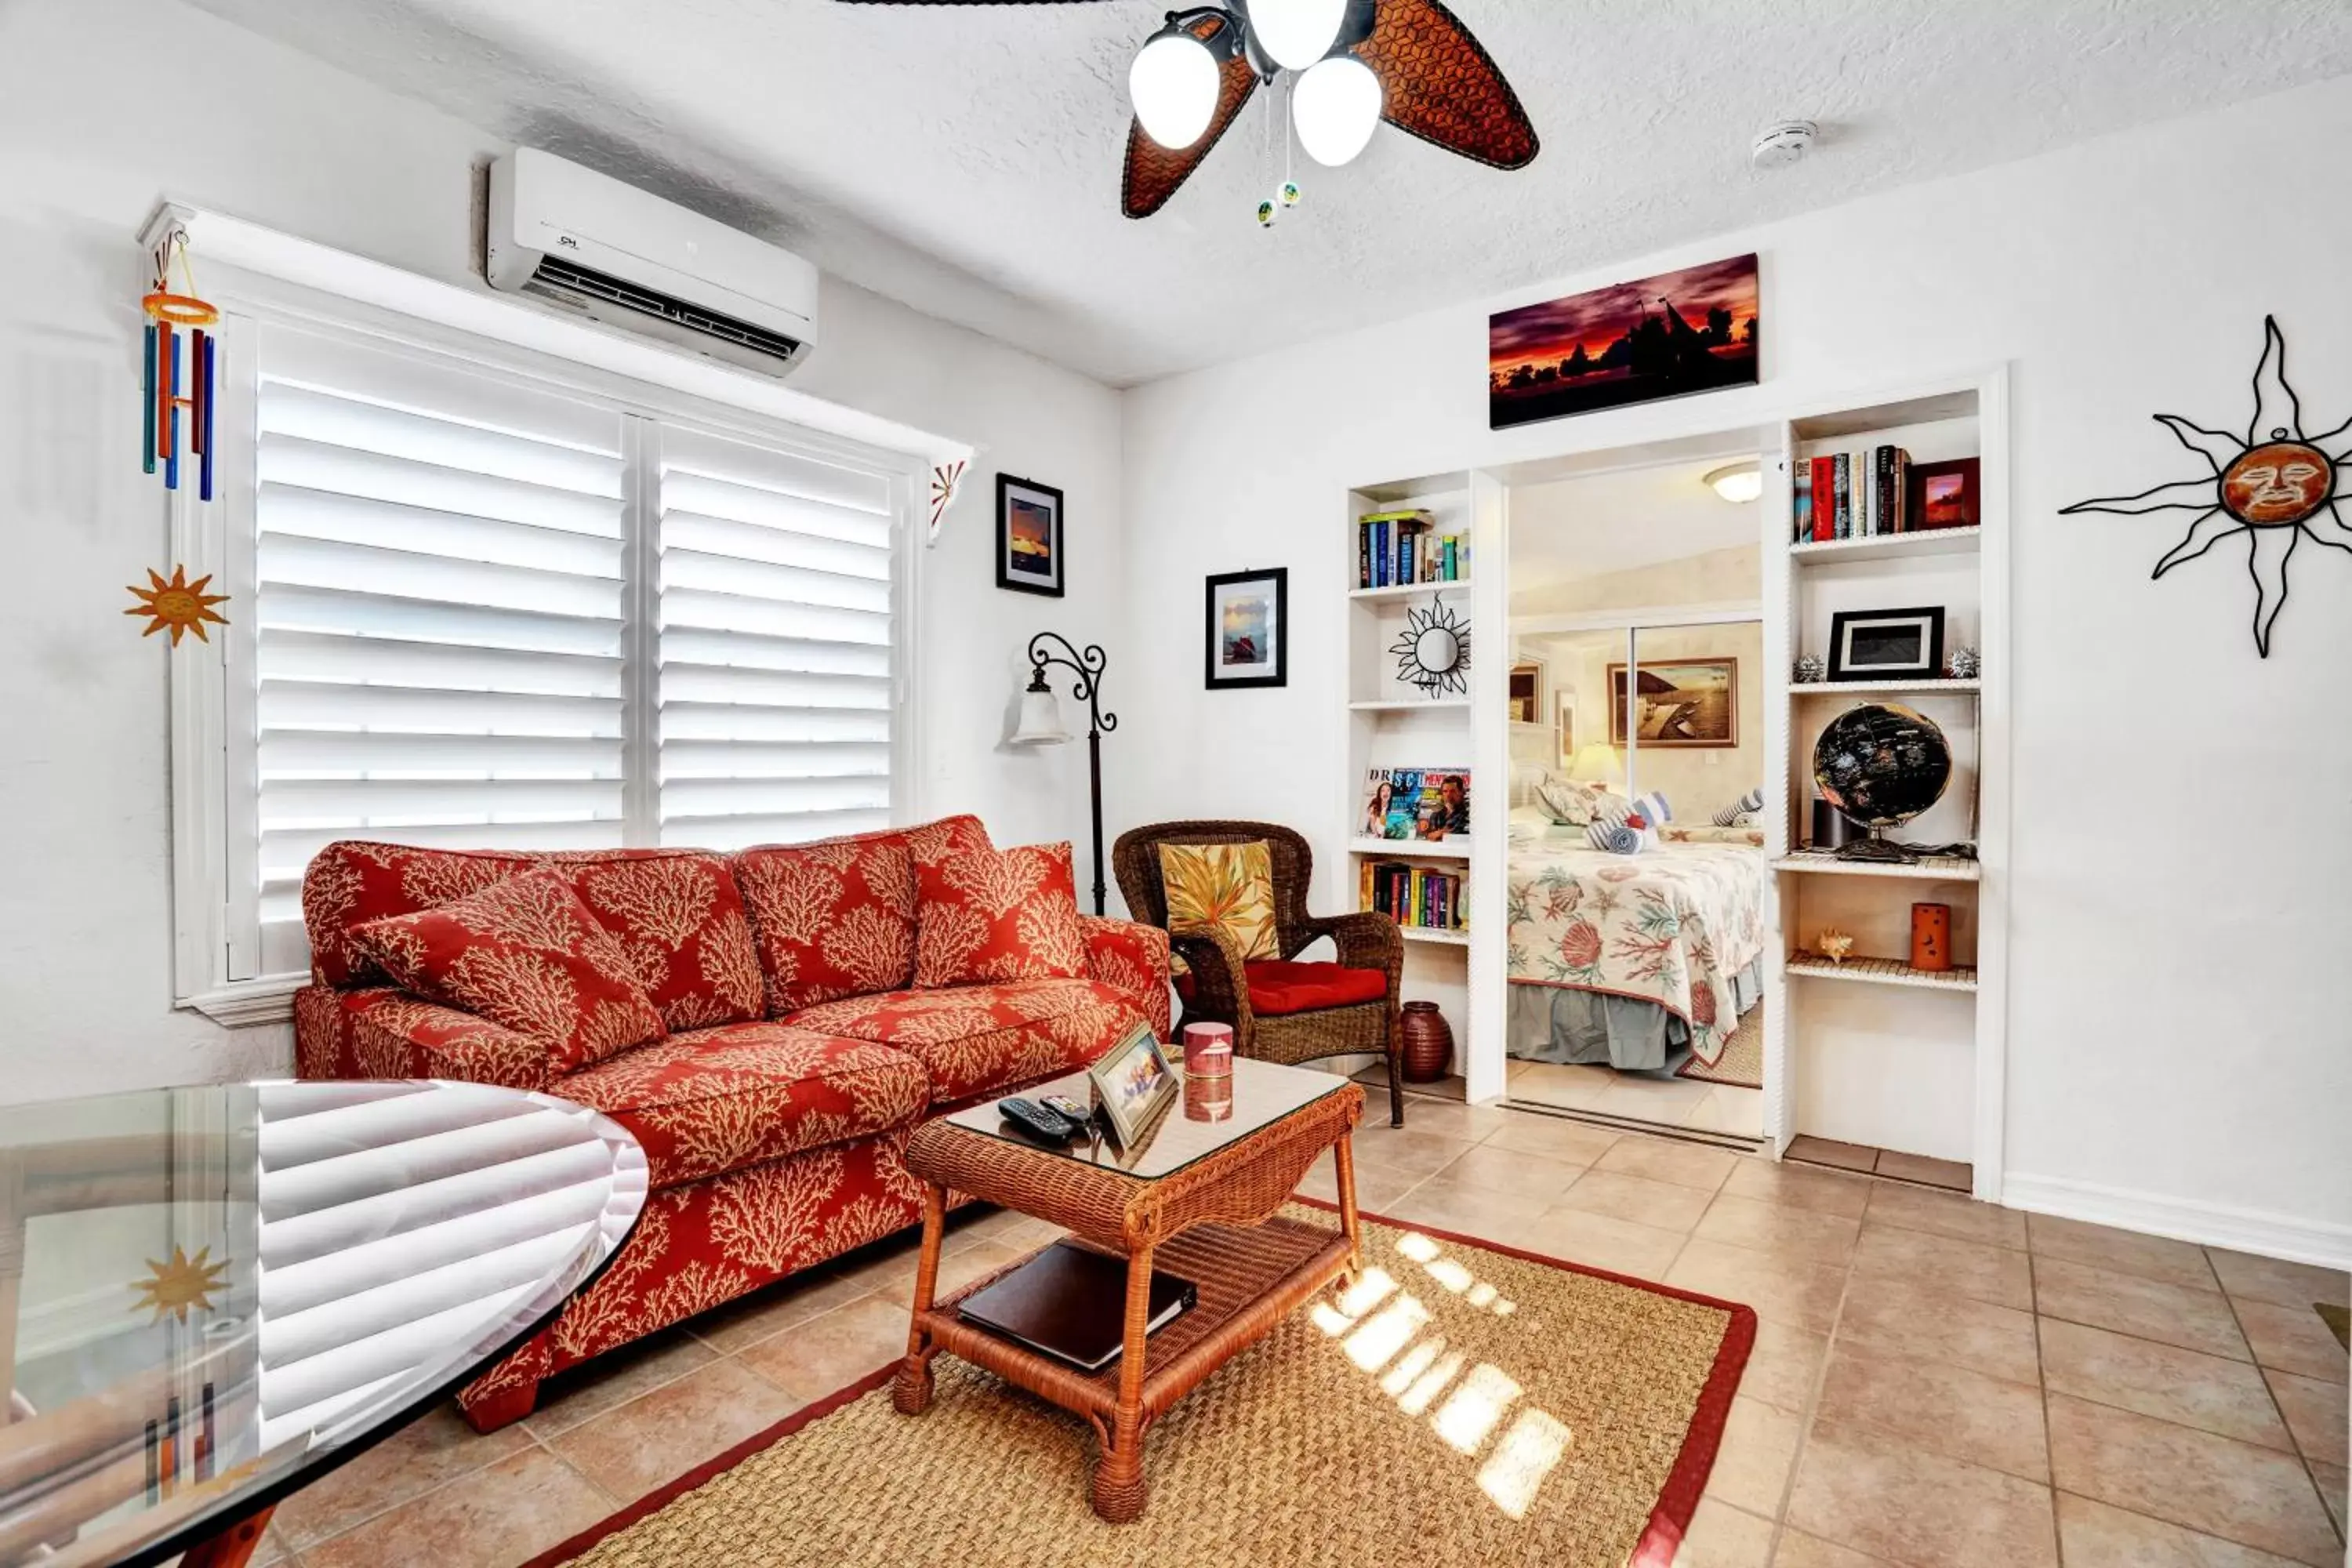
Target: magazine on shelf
1427	804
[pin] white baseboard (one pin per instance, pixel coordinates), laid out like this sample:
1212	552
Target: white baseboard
2210	1224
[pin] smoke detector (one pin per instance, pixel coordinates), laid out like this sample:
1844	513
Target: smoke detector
1778	146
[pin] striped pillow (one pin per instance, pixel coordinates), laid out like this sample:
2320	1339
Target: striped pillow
1653	806
1746	806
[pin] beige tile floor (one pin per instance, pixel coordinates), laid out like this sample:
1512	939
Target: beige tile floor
1936	1384
1665	1102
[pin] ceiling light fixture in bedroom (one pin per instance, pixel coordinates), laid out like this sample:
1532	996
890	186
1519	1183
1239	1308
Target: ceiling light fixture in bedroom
1739	483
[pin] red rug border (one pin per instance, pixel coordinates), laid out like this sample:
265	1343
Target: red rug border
1670	1520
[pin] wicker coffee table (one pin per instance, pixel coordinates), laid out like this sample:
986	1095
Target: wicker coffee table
1195	1198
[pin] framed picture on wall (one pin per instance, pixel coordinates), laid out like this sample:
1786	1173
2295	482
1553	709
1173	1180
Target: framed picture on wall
1248	630
1691	702
1678	332
1887	645
1028	536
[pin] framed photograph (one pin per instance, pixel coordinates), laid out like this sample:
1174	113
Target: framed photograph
1528	691
1132	1083
1248	633
1028	536
1689	702
1944	495
1887	645
1679	332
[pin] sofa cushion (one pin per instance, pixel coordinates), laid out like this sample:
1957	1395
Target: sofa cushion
725	1099
990	915
982	1040
836	917
526	954
1280	986
677	915
351	882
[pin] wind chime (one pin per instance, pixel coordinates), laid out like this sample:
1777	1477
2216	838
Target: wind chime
174	318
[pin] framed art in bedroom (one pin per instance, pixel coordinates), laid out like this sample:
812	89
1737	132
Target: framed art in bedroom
1248	630
1887	645
1028	536
1687	702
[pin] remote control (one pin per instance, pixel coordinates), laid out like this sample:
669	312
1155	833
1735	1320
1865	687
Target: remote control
1028	1116
1069	1109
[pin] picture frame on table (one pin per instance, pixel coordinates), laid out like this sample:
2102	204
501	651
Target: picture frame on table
1887	645
1029	550
1133	1083
1247	632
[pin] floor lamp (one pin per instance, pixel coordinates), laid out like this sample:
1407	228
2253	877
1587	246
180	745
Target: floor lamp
1040	720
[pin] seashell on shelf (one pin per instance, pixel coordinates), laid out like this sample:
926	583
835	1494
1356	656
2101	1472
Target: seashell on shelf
1835	946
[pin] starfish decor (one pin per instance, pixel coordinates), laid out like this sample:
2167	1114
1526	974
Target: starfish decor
2277	487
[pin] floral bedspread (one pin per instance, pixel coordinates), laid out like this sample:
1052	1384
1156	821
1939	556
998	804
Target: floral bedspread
1670	926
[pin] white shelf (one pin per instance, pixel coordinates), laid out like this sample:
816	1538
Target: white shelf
1433	935
1929	868
1413	848
1832	687
1408	704
1881	972
1404	590
1886	546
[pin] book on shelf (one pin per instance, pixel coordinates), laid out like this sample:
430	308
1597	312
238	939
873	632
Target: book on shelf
1853	495
1429	804
1402	549
1426	898
1070	1302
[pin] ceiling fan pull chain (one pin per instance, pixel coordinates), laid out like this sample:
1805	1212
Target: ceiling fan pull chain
1277	124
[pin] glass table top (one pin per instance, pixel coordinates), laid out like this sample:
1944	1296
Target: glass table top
210	1295
1201	1120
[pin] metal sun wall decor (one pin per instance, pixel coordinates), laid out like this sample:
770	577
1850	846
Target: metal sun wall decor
2278	485
1432	652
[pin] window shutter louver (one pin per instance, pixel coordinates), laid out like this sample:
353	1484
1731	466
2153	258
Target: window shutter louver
775	645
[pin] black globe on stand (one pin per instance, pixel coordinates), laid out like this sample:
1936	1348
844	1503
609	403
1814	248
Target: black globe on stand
1882	764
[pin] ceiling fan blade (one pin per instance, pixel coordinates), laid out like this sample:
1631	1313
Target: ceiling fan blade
1444	88
1153	172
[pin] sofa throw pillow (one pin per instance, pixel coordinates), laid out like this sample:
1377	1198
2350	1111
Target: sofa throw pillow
1228	886
989	915
527	956
679	916
833	920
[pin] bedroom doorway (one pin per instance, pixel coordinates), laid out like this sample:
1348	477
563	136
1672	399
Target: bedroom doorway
1638	888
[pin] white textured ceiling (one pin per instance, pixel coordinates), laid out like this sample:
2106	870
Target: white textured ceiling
965	159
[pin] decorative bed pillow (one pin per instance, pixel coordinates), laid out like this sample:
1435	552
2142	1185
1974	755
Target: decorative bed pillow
1742	811
1565	800
985	916
1620	829
1653	806
527	956
1228	886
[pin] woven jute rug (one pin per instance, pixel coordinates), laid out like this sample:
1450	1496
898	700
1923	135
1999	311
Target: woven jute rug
1464	1406
1742	1065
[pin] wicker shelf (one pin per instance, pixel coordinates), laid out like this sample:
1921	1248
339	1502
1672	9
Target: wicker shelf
1886	546
1928	869
1881	972
1414	848
1403	590
1832	687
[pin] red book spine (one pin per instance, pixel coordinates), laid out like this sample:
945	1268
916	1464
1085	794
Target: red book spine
1825	500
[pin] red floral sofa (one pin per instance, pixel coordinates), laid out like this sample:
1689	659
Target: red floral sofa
801	1046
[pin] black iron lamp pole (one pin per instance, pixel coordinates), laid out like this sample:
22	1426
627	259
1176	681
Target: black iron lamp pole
1088	666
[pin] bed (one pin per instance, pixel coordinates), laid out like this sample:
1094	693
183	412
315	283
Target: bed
1626	959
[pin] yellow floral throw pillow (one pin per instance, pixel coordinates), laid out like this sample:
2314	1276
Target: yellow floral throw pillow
1225	885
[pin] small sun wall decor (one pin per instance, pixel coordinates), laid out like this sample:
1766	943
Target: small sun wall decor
2278	487
180	604
1432	652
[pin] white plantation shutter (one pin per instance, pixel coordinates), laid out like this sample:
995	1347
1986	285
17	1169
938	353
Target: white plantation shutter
498	611
775	645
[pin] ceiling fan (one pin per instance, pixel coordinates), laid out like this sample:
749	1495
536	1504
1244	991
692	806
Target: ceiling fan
1356	63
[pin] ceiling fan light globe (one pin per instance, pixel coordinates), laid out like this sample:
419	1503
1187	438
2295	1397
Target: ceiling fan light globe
1336	107
1295	34
1174	85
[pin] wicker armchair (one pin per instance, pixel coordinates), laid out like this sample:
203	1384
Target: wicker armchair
1219	991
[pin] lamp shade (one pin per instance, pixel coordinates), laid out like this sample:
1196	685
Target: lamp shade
1173	84
1738	483
1041	718
1295	34
1336	107
1597	764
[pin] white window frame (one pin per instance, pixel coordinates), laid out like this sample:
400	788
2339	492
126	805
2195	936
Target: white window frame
214	739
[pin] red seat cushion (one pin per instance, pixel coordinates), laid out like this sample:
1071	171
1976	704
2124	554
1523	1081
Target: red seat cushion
725	1099
1279	985
982	1039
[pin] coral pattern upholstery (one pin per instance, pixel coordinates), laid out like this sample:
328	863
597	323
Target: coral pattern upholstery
775	1114
998	915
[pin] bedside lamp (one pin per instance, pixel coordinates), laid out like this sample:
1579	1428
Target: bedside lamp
1597	764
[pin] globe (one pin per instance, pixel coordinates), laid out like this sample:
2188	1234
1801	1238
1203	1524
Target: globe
1881	763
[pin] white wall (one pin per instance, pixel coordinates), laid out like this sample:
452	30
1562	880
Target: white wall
107	106
2179	1029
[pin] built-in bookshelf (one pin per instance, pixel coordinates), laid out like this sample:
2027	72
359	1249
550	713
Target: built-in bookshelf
1875	1050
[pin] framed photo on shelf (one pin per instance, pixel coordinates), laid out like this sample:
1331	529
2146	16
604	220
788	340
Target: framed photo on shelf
1132	1083
1944	495
1248	630
1028	536
1887	645
1686	702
